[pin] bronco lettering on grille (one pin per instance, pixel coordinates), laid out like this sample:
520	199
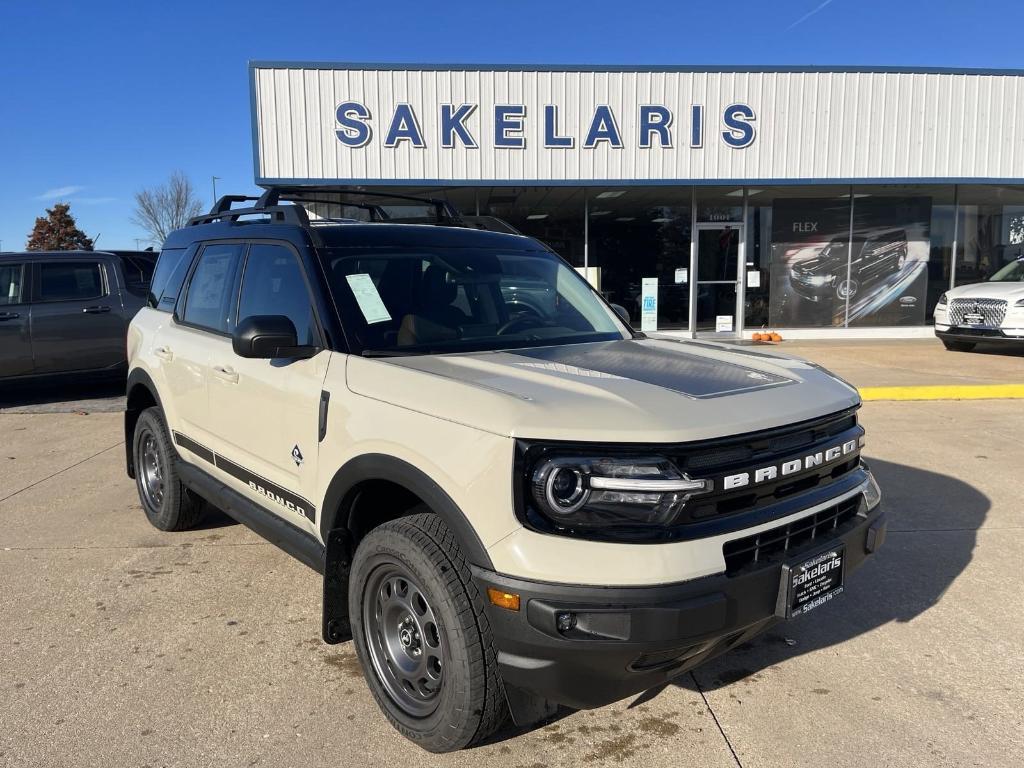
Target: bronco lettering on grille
773	471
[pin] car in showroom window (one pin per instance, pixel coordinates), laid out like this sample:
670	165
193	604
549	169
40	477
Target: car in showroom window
986	312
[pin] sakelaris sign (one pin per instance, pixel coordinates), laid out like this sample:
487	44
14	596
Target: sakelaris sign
461	125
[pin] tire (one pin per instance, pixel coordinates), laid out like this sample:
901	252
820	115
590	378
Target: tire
847	289
958	346
168	505
435	633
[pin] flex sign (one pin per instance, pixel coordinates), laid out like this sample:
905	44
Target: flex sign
460	125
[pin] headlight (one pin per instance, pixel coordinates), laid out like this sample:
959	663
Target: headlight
591	492
1020	303
821	279
942	301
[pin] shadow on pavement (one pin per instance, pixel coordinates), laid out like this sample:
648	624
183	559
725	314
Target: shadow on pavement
910	574
64	394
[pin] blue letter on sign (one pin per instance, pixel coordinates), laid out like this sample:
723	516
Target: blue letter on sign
551	138
453	123
509	118
354	132
603	128
404	127
655	119
739	132
697	126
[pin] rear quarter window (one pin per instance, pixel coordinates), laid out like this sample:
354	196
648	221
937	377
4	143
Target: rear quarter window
171	268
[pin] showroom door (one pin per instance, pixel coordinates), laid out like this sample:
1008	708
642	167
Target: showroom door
715	293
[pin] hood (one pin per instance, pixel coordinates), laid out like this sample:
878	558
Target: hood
1009	291
650	390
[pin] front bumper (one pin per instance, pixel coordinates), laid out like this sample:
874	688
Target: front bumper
978	335
629	639
809	291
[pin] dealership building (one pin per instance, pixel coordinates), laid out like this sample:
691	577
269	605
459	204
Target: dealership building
707	201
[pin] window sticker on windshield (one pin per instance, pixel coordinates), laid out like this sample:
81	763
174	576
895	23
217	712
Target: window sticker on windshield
369	300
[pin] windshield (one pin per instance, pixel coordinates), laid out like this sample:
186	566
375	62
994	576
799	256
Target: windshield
397	301
1011	273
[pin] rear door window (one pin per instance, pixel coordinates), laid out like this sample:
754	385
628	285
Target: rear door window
70	281
12	278
208	301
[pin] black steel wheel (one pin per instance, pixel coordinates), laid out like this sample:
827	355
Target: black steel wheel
168	505
403	639
422	636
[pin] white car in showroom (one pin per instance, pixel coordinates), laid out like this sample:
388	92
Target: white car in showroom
992	311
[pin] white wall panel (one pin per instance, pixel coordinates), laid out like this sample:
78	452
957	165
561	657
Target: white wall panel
840	125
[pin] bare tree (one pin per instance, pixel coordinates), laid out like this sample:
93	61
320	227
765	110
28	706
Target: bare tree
163	209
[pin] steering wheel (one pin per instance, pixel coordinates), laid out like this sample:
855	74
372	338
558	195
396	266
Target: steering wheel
519	323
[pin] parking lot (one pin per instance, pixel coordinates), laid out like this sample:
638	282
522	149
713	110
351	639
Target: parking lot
123	645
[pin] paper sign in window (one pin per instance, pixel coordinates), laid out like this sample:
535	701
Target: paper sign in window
370	303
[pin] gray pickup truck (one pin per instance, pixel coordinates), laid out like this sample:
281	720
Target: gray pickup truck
68	311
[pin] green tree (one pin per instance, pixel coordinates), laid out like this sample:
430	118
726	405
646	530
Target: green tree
57	231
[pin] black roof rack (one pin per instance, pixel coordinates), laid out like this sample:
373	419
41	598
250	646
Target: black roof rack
270	204
266	205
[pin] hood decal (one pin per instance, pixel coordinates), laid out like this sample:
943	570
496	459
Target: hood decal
691	375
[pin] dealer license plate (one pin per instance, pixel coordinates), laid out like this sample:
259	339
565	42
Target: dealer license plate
812	583
973	319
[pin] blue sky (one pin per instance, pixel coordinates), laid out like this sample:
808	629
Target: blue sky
100	99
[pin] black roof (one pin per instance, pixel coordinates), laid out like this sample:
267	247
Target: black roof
354	235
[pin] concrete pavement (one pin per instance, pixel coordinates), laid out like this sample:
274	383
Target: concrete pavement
123	645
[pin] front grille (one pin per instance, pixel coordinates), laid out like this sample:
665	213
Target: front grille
747	454
992	310
775	544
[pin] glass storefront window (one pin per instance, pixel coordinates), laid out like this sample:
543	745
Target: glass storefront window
798	240
805	265
903	236
991	230
638	232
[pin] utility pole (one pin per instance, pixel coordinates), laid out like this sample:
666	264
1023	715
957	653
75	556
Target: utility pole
137	246
214	179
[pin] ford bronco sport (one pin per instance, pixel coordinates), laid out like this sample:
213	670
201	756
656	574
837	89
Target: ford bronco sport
514	503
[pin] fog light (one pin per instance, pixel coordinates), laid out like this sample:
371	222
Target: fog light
565	621
502	599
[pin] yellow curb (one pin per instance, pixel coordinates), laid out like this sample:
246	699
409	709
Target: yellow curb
946	392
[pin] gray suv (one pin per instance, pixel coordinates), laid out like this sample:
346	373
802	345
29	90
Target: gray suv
68	311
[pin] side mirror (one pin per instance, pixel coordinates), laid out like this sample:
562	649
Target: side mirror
622	312
267	337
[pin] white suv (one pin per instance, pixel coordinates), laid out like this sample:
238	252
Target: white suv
983	312
515	500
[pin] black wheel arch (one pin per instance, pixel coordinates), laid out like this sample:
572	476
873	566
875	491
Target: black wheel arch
378	466
340	540
141	394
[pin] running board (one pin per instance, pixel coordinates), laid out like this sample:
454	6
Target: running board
301	545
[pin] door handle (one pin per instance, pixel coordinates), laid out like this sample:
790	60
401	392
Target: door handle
226	372
8	316
97	310
164	353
